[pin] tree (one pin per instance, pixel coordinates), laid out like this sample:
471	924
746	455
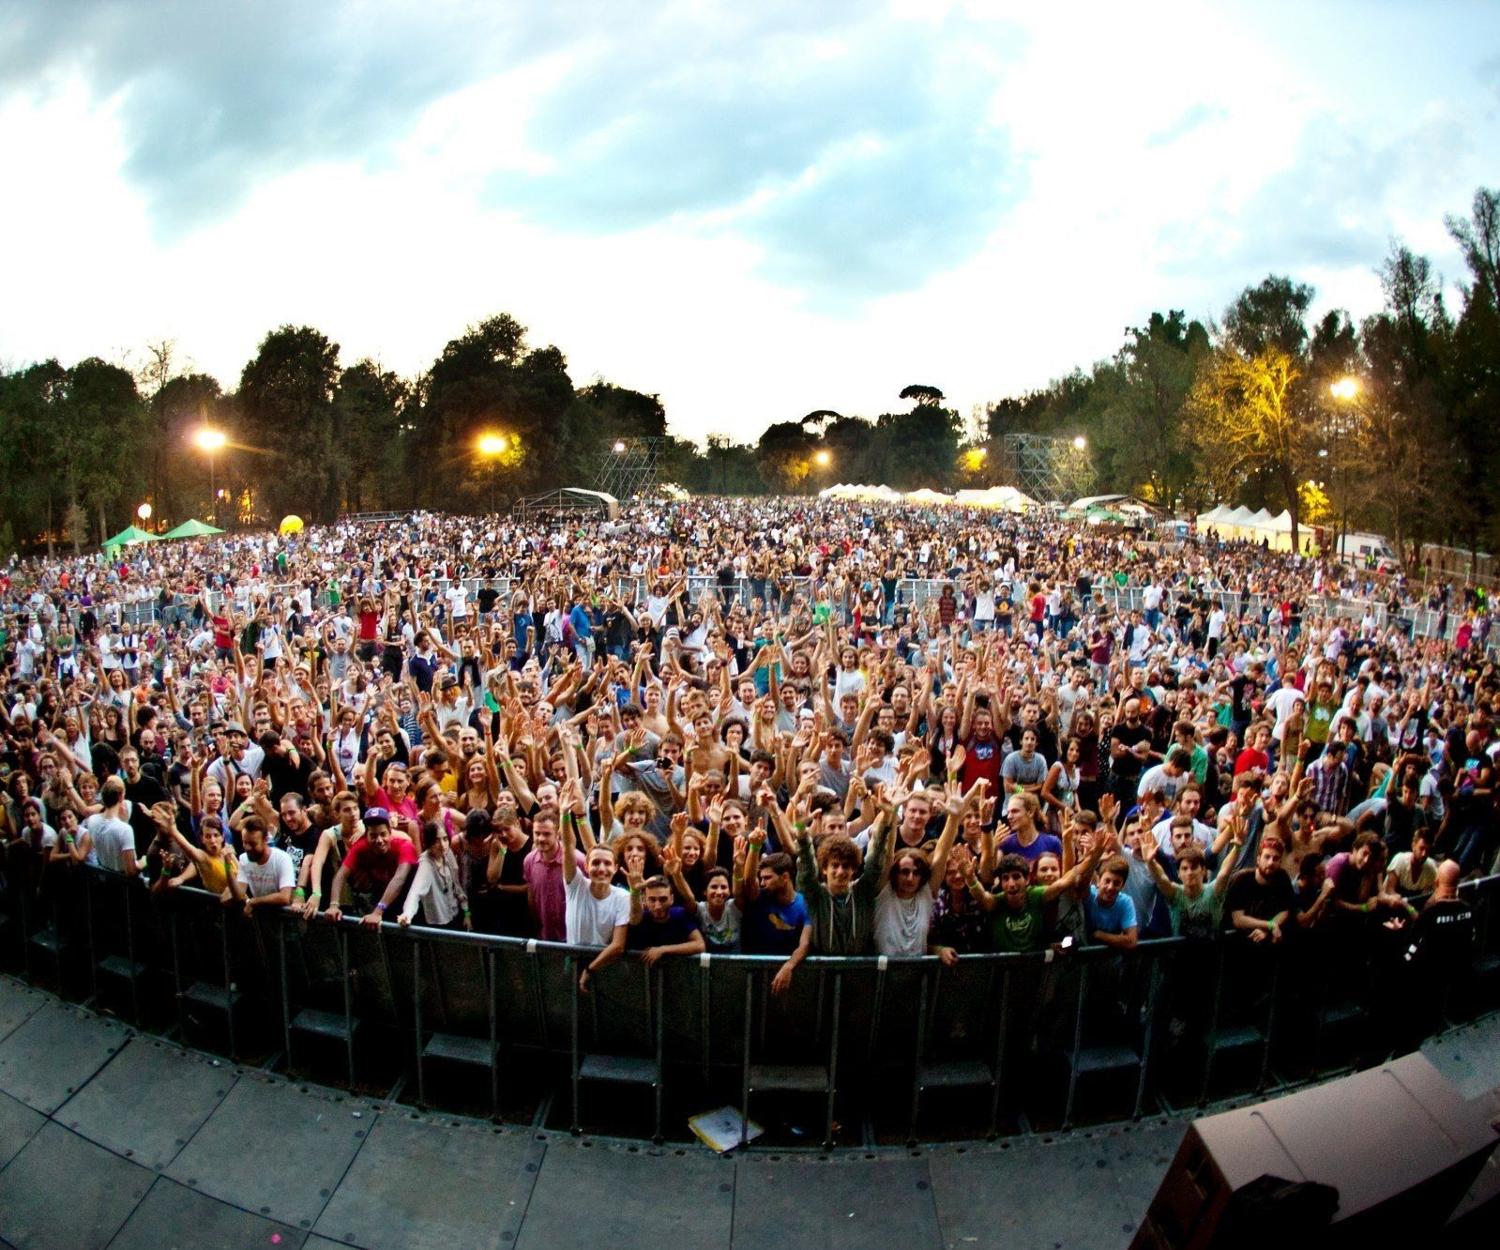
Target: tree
178	476
1246	422
369	457
1270	315
286	405
784	454
486	380
102	441
928	396
1479	237
1141	401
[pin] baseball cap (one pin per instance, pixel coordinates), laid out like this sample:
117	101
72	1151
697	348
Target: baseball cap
377	815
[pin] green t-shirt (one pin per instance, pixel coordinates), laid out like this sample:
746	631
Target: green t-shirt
1319	718
1019	931
1195	917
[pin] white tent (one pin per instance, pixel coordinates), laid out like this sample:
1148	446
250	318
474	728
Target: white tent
1214	516
928	496
1000	498
849	490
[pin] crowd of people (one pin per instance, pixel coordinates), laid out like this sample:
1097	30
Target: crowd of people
729	726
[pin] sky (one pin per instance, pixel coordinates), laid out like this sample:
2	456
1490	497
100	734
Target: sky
752	210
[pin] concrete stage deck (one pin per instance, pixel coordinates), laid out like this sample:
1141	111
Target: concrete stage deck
113	1138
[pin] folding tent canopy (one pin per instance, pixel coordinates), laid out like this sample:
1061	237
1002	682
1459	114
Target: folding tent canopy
128	537
192	528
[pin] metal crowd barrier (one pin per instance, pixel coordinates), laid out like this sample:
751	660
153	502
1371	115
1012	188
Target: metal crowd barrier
864	1040
850	1031
1418	621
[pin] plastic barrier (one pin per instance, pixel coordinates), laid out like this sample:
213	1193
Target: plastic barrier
864	1040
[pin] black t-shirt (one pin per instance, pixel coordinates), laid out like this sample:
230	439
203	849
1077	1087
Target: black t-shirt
1260	900
285	777
486	597
678	927
1129	764
143	794
297	845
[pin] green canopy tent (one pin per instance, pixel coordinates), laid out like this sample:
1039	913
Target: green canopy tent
193	528
128	537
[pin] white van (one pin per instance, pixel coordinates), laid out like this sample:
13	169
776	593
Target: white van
1360	549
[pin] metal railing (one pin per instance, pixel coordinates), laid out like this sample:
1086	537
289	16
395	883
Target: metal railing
1088	1034
1415	620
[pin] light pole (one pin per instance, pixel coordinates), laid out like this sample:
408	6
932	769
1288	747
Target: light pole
211	442
491	446
1345	391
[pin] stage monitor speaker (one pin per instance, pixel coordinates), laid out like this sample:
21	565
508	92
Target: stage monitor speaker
1393	1148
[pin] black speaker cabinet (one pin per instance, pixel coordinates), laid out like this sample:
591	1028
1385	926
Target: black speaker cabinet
1366	1160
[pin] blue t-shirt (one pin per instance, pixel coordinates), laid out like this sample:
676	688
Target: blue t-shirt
579	619
1042	844
773	928
1116	918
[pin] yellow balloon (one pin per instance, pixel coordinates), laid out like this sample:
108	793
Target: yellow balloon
290	524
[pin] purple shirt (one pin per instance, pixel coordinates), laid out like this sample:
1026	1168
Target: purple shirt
544	890
1039	846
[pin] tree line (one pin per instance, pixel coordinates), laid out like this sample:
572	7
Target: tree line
1386	425
1186	413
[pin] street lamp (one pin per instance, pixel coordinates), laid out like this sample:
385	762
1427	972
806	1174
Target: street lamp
1345	391
211	442
1080	443
619	447
491	446
144	512
822	459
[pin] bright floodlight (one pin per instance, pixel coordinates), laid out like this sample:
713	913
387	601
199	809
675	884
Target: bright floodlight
209	439
619	446
822	458
144	512
1345	388
491	444
1080	443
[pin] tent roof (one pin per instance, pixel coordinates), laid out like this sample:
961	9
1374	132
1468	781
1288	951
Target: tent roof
129	535
191	528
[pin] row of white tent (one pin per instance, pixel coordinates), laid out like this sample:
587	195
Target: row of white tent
1242	523
1006	498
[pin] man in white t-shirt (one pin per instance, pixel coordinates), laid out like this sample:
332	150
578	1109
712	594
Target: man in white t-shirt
266	875
598	912
109	840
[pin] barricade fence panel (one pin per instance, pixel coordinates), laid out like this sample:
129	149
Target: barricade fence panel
1415	619
1163	1023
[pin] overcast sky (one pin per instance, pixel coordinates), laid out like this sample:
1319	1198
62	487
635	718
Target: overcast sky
755	210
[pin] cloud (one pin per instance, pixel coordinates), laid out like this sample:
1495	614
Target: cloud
215	98
859	159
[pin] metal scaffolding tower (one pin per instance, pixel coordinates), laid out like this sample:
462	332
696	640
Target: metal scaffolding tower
1048	467
628	467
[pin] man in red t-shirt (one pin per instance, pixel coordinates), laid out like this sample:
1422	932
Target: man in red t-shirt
982	753
377	867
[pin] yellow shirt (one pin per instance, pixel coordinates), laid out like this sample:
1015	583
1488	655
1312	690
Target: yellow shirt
215	874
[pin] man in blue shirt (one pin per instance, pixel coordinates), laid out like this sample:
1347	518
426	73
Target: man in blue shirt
583	632
1110	911
776	916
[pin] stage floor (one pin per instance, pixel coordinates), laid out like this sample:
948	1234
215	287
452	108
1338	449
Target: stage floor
110	1138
